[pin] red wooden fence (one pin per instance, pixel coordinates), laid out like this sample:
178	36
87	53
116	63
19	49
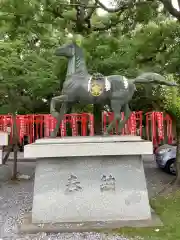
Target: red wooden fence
159	128
36	126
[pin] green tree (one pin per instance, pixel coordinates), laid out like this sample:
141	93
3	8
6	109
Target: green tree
133	36
38	21
13	85
155	47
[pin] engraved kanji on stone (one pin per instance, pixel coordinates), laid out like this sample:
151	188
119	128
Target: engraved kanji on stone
133	198
73	184
108	183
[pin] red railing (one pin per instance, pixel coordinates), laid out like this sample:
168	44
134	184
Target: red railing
34	126
159	128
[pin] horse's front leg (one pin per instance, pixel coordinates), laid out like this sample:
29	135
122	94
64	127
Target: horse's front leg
58	115
53	105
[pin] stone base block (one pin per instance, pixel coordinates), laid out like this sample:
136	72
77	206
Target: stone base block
95	179
27	227
54	201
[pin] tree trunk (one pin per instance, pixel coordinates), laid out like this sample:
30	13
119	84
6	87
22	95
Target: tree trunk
15	146
178	154
97	112
5	158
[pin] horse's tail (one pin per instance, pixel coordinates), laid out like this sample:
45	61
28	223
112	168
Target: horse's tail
154	78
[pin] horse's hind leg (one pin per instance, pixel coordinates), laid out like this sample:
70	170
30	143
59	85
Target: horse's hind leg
116	108
127	113
117	115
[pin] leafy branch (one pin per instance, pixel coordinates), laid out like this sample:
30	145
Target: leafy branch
123	6
168	5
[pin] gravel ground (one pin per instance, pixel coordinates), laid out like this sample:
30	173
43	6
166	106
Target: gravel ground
16	198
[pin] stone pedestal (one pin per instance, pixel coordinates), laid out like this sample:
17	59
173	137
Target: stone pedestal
3	142
5	171
89	179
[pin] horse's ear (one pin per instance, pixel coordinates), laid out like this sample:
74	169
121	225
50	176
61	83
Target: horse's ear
78	40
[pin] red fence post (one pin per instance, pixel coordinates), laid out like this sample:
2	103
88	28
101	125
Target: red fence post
159	117
84	123
169	129
91	124
147	126
132	128
74	124
140	123
63	128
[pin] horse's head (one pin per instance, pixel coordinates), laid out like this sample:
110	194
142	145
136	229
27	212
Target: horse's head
66	50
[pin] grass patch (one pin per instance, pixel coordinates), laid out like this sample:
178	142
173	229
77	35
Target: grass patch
168	208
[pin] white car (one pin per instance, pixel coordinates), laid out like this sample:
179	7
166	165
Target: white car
166	157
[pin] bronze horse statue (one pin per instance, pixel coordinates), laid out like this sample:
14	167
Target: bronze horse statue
80	87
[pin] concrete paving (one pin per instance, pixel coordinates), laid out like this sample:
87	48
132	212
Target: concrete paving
5	173
20	157
16	199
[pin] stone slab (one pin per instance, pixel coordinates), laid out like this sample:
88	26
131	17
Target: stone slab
90	139
52	203
88	146
3	138
27	227
1	157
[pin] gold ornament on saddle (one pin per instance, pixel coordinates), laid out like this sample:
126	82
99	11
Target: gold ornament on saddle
97	85
96	89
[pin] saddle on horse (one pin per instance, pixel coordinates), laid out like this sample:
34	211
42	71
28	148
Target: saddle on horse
97	84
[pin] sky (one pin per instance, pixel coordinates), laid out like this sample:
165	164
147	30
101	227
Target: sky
109	3
175	3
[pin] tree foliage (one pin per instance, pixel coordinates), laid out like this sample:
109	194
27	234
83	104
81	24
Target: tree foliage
133	36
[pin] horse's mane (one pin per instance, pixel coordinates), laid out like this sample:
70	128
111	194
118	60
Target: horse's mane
79	51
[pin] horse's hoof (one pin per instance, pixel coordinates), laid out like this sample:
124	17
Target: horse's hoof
52	135
106	134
